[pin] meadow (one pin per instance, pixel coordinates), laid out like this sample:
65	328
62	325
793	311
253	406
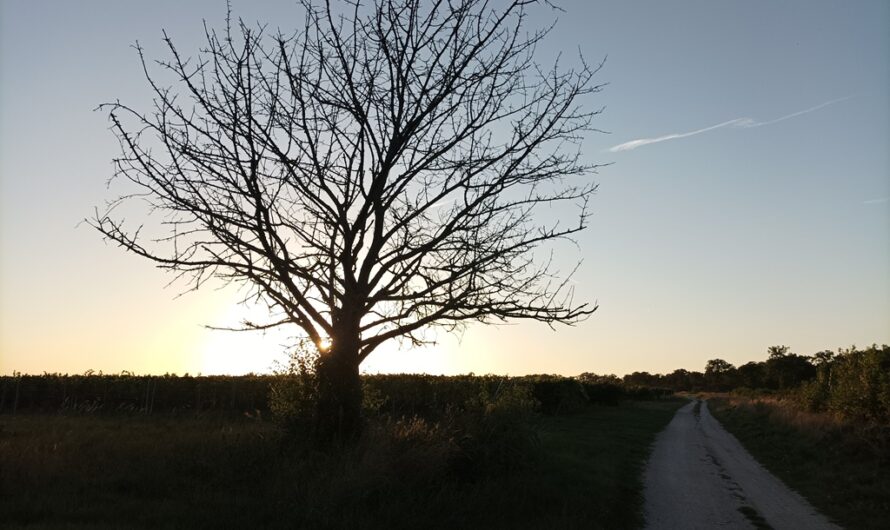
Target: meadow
474	452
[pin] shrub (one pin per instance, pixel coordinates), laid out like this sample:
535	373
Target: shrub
854	385
499	435
813	395
860	384
647	393
558	395
410	450
604	393
294	392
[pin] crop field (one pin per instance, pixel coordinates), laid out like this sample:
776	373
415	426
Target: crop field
498	463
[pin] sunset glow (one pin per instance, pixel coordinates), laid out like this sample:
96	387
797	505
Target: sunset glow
466	264
747	202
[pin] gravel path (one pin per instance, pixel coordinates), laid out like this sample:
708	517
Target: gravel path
700	476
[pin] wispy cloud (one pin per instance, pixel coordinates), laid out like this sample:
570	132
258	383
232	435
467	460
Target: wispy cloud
882	200
746	123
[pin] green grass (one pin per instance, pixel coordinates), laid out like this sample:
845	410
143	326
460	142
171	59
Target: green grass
843	471
595	462
90	472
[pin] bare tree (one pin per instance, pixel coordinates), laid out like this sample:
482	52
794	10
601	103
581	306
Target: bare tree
375	173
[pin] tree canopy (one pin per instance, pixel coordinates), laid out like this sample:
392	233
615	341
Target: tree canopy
388	167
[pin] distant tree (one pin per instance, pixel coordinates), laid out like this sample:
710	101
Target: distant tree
696	381
678	380
786	370
610	379
718	366
822	358
642	379
719	375
777	351
752	375
378	172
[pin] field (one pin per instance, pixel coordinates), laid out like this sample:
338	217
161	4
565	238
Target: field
578	469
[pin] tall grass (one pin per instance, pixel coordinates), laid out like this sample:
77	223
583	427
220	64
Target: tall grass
840	465
499	466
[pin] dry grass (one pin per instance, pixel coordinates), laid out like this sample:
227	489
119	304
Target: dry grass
842	467
817	424
121	472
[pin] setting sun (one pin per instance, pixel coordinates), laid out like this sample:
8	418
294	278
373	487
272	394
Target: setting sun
240	352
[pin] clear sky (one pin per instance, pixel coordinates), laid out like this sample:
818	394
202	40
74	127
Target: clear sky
747	205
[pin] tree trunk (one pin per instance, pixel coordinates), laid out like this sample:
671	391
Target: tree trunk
339	409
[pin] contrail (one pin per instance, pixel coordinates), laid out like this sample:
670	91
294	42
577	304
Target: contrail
633	144
746	123
752	123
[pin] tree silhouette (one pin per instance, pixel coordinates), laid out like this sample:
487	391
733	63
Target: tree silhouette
777	352
787	370
719	375
382	170
752	374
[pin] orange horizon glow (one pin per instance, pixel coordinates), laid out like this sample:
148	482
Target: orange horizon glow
718	244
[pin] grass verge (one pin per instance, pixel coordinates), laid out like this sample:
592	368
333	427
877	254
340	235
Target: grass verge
595	463
838	468
91	472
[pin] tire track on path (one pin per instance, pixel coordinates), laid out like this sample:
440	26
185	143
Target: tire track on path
700	477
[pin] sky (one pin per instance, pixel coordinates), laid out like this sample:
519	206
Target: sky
747	203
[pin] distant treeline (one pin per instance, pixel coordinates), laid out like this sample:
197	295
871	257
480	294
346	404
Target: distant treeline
402	395
851	383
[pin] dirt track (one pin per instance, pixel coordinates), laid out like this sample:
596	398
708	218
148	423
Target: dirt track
700	476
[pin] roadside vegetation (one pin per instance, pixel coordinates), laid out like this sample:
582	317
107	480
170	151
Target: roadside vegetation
471	451
824	429
841	467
